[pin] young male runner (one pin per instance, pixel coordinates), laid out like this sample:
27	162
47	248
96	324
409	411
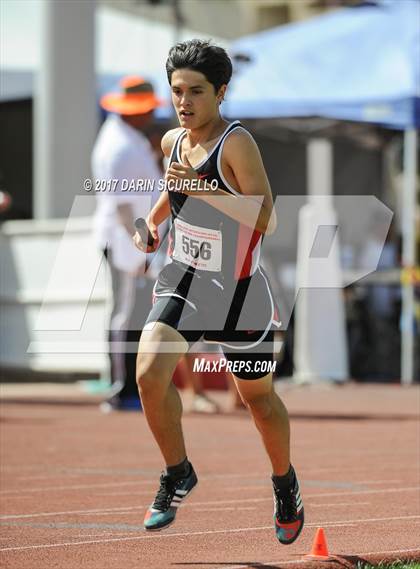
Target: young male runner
214	287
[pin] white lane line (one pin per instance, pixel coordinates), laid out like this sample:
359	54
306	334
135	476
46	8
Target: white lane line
210	478
97	534
136	513
69	512
139	493
373	482
92	471
111	484
338	523
211	503
153	482
306	496
132	493
123	513
77	487
360	468
136	538
321	484
333	557
357	492
17	498
227	509
59	475
334	504
68	472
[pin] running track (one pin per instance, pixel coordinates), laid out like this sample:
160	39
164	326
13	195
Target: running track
75	483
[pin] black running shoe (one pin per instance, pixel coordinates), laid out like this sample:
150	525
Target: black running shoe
170	495
288	513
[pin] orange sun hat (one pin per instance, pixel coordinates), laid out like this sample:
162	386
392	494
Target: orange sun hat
137	97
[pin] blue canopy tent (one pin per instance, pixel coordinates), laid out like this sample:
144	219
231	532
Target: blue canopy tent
360	64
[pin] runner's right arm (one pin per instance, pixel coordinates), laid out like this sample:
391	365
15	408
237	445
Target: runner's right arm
161	210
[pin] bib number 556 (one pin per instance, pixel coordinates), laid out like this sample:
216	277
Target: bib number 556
193	248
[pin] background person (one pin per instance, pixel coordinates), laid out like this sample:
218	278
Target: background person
122	154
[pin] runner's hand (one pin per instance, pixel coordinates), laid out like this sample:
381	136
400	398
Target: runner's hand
177	171
140	244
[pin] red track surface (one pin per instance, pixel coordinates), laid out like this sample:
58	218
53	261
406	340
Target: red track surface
75	484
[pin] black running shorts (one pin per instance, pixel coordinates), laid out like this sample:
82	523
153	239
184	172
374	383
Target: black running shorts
239	316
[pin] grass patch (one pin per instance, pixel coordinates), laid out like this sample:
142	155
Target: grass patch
387	565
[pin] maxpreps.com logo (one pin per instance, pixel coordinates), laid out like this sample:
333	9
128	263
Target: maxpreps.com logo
222	364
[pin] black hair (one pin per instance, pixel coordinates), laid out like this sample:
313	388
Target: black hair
199	55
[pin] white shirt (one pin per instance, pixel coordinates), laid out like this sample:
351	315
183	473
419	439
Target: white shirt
121	155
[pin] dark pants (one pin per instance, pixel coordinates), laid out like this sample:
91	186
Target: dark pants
131	303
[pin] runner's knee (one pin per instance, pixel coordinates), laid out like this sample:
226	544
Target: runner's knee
261	406
151	375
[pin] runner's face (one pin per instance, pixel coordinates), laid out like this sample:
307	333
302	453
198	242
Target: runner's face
194	98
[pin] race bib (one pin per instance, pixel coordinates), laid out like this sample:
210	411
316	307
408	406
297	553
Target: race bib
198	246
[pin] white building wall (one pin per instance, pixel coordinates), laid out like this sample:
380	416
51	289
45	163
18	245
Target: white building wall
28	252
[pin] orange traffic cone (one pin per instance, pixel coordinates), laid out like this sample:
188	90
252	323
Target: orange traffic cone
319	546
